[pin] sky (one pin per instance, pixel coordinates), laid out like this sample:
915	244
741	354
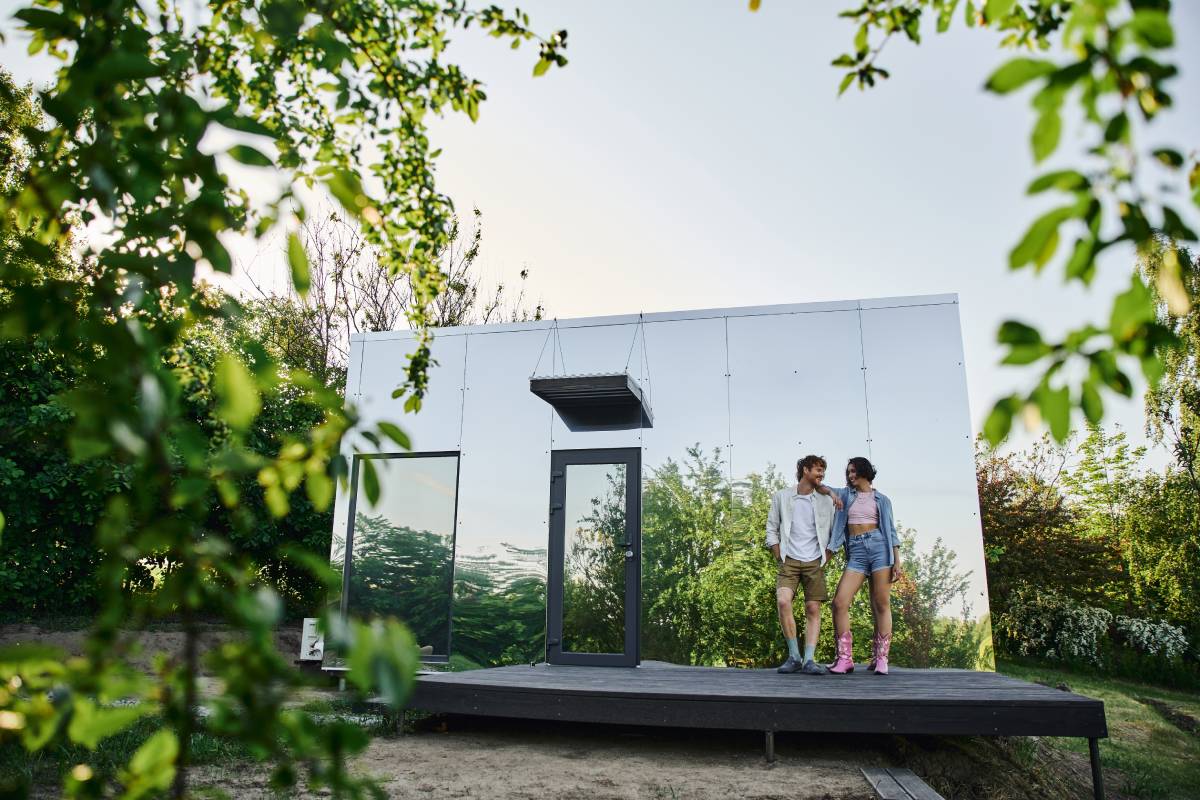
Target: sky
693	158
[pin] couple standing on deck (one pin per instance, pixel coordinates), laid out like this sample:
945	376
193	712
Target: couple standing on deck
805	525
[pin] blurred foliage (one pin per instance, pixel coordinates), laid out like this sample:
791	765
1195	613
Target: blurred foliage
1105	67
161	136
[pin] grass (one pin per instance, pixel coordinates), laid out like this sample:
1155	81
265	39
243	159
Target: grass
48	766
1155	758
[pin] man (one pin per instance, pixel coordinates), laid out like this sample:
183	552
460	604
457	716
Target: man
798	528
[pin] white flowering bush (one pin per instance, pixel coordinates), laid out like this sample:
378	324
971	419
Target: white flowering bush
1026	625
1081	630
1153	638
1047	625
1044	624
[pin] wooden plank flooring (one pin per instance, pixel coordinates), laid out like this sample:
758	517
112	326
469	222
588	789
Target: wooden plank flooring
912	701
891	783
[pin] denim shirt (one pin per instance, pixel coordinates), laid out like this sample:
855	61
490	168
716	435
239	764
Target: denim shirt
841	519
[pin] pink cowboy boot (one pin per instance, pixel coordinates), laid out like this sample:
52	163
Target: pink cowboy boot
882	645
845	650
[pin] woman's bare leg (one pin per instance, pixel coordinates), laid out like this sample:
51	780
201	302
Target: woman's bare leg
848	586
881	601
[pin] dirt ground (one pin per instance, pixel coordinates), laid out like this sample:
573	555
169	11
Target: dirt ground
459	757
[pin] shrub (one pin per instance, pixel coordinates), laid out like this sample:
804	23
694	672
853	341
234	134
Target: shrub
1047	625
1153	638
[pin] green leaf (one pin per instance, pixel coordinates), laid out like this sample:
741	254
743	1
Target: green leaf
347	189
1038	244
383	658
861	42
298	259
370	480
1016	73
845	84
41	19
1055	405
1132	310
277	501
90	723
394	433
152	767
319	488
1152	28
237	393
1046	133
250	156
1091	402
1152	369
1013	332
1169	157
997	9
1082	263
540	67
1026	353
1067	180
1104	368
999	421
946	15
1117	129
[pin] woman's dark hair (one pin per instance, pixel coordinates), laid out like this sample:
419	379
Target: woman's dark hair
862	468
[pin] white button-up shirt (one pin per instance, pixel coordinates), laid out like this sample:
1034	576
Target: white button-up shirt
779	519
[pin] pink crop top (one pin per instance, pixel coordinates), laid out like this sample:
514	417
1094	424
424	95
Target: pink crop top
864	510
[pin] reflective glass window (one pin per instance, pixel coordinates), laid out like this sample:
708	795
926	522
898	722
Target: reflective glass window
402	547
500	576
921	435
594	559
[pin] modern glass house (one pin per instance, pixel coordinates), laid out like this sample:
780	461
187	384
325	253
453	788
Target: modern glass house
573	484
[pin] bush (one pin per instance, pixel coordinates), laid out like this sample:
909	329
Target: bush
1153	638
1047	626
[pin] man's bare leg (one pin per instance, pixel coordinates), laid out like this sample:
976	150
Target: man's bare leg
787	620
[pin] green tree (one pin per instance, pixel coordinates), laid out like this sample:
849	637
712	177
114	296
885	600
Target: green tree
1173	405
1029	521
1112	75
300	88
1162	539
685	517
594	575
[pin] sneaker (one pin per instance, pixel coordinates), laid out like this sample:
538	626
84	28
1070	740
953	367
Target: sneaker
790	666
812	668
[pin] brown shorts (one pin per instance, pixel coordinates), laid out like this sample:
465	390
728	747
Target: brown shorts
810	574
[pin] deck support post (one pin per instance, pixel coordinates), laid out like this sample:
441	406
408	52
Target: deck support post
1097	776
770	741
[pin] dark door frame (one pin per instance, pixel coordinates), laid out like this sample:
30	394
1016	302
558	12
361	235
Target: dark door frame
559	460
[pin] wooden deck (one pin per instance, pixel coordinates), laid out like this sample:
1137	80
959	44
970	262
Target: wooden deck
908	701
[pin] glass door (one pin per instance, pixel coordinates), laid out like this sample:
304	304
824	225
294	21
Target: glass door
594	557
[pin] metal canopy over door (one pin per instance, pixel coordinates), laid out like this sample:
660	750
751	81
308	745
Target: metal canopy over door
594	557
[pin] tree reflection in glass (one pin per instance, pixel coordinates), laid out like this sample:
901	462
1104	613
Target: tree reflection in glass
594	564
402	550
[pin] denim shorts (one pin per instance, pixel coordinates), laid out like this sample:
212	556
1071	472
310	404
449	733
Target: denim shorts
867	552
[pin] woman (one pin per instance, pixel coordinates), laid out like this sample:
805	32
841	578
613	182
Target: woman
866	526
